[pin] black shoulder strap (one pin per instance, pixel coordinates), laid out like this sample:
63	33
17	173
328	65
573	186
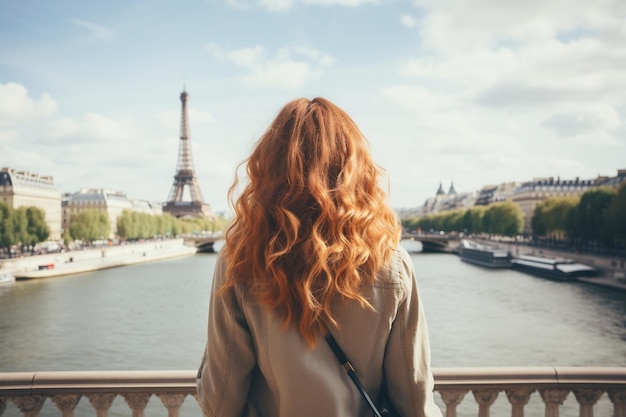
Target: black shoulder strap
347	366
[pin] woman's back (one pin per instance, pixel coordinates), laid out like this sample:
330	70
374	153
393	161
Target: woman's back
313	247
272	371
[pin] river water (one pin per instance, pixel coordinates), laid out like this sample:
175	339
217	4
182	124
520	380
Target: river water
153	317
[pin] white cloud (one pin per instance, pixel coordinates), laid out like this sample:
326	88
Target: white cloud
591	124
288	68
541	74
94	31
16	105
408	20
91	128
283	5
457	24
62	127
420	99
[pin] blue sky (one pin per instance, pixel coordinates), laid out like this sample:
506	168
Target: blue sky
476	92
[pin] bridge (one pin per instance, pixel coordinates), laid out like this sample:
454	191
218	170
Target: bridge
600	389
203	243
434	243
430	243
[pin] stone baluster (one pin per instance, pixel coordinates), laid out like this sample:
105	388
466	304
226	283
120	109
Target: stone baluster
618	397
485	398
102	403
66	403
172	402
137	401
553	398
3	405
29	405
452	398
518	399
587	398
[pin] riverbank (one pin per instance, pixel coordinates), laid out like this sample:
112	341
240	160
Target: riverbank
88	260
612	269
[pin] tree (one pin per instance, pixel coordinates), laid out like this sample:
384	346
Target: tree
550	217
588	219
504	219
7	237
38	230
24	226
452	221
616	214
473	219
125	225
20	226
89	225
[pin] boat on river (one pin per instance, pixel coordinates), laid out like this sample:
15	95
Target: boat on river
6	278
488	256
561	269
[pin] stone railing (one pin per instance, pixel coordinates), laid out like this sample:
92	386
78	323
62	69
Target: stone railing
25	393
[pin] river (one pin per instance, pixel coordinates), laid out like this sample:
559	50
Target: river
153	317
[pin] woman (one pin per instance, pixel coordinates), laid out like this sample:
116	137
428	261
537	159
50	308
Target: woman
313	248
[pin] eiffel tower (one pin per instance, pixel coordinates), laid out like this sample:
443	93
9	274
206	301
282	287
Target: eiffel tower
186	177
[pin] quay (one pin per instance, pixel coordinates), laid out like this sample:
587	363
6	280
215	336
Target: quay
612	268
29	391
94	259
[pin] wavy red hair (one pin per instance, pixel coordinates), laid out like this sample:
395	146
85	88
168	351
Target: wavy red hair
312	222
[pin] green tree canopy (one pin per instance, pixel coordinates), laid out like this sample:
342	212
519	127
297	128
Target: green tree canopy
24	226
616	214
135	225
7	237
588	219
89	225
505	219
38	229
550	216
473	219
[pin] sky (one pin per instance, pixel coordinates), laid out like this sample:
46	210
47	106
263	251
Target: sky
474	92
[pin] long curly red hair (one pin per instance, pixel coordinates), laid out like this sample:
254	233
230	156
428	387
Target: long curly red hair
313	222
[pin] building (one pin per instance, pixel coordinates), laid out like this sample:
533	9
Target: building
111	202
27	189
531	193
490	194
527	194
613	182
147	207
448	201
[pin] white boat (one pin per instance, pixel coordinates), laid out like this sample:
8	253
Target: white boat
6	278
553	268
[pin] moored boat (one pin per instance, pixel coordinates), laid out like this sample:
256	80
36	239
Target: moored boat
553	268
484	255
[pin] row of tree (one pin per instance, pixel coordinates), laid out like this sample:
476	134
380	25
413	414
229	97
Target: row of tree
90	225
26	226
599	215
135	225
22	227
505	219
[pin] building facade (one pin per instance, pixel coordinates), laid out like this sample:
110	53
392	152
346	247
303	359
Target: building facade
531	193
452	200
111	202
27	189
490	194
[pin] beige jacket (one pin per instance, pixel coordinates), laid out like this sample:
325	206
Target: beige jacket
253	367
